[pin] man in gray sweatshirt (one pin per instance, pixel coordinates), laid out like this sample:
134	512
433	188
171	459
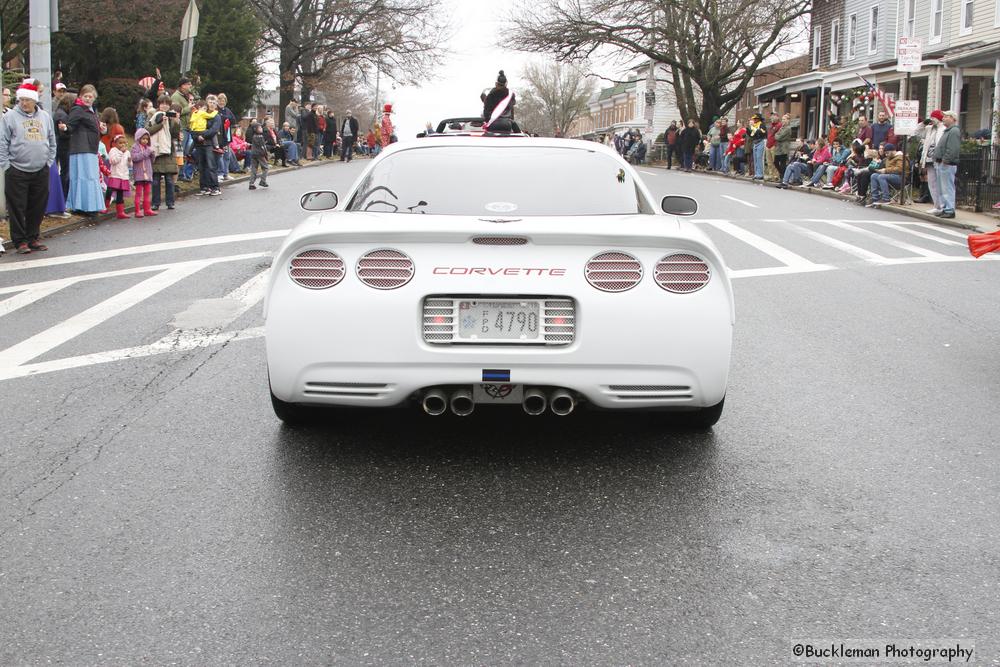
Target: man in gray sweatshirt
946	154
27	149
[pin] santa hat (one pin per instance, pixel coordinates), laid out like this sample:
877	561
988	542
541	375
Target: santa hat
387	108
28	89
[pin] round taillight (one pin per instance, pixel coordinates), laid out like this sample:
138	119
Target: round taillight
614	271
316	269
682	273
385	269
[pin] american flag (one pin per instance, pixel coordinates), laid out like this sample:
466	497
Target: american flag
887	103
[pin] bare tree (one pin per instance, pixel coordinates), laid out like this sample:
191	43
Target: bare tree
713	47
400	38
555	96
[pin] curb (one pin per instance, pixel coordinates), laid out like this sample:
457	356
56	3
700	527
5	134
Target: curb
900	210
188	192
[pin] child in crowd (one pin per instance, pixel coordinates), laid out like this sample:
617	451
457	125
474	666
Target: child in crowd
103	172
199	122
164	129
118	183
259	154
142	172
143	112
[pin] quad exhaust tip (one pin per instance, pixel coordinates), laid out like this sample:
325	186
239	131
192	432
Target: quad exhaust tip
435	403
562	402
534	402
462	403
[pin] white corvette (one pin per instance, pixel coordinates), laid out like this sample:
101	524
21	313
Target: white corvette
465	271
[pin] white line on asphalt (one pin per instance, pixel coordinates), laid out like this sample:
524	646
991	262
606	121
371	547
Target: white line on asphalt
740	201
944	230
916	250
27	298
778	271
776	251
138	250
74	326
649	173
62	282
906	229
840	245
178	344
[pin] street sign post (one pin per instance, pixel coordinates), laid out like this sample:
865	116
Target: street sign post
189	30
909	55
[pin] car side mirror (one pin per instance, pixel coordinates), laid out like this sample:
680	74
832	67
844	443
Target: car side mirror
320	200
679	205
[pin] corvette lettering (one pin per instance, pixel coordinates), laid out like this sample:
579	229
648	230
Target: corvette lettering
496	271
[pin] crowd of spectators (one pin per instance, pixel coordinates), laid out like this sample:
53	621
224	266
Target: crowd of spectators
79	158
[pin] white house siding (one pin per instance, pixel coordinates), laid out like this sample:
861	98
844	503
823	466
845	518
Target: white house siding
664	110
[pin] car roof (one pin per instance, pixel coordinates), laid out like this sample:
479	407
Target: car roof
499	140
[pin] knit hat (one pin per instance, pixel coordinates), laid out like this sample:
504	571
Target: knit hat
502	78
953	114
890	147
28	89
937	114
387	108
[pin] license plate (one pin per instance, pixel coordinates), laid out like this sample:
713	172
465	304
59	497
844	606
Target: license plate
498	393
499	320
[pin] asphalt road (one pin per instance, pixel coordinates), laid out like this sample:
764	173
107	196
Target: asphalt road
153	510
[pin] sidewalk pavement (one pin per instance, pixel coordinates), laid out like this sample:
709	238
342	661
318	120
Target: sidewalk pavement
967	220
53	225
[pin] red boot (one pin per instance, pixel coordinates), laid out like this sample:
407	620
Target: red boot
138	202
120	210
147	193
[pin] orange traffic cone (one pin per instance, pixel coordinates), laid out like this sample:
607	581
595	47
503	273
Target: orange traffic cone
980	244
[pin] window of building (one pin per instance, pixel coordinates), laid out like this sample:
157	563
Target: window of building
936	21
852	36
965	27
817	39
835	42
996	16
909	28
873	30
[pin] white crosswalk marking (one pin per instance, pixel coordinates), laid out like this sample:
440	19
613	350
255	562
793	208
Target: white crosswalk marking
740	201
917	250
780	253
861	253
30	296
909	230
90	318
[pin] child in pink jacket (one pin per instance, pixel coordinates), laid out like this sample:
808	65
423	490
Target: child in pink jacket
142	173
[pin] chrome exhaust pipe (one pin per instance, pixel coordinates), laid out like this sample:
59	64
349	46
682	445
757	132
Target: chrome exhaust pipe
534	402
562	402
462	403
434	402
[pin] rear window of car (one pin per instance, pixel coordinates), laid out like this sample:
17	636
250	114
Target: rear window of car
499	180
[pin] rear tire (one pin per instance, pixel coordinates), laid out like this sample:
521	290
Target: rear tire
701	419
292	413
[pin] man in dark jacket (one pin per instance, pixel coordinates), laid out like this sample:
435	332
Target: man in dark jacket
229	122
670	139
946	154
348	135
498	107
259	152
307	130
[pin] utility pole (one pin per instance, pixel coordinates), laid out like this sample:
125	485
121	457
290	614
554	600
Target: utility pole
378	75
40	46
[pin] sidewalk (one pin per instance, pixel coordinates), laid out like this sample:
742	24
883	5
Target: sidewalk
967	220
51	226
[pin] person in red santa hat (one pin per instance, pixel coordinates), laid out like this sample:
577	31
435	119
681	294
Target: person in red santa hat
386	125
27	150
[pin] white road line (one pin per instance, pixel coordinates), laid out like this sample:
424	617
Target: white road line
648	173
740	201
783	255
916	250
27	298
62	282
138	250
840	245
778	271
179	344
944	230
74	326
907	230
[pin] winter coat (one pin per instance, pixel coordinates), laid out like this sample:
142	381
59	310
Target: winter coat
386	129
671	136
259	143
212	128
330	133
756	132
494	98
880	132
738	141
949	146
292	116
181	100
84	131
690	136
228	122
840	157
822	155
772	128
929	135
113	131
162	138
783	139
62	138
352	123
893	164
142	158
120	160
308	121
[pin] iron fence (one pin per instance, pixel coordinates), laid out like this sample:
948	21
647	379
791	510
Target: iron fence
978	180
